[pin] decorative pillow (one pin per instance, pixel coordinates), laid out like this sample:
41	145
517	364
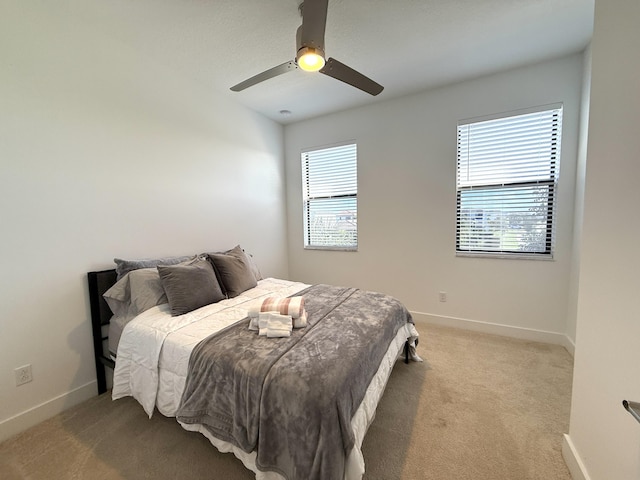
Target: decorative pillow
125	266
190	286
136	292
233	271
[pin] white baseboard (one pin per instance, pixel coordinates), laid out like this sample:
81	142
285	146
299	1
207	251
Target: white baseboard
48	409
35	415
572	459
497	329
570	346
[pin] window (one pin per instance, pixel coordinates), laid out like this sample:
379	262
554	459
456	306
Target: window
506	184
330	198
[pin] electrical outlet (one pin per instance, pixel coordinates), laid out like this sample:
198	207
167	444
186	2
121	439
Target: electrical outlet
442	296
23	375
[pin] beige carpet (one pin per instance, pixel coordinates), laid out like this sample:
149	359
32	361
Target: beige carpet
481	407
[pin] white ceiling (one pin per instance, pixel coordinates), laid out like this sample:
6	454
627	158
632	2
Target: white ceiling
405	45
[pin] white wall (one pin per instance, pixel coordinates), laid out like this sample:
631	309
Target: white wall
604	440
105	153
407	205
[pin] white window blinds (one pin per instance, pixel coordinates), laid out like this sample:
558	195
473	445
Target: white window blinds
330	203
507	172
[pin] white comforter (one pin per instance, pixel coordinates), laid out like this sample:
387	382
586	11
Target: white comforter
153	359
154	349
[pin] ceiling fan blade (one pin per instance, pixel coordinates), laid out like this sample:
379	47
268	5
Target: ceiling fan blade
266	75
314	21
346	74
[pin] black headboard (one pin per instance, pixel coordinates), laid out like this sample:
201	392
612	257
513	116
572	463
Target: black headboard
100	282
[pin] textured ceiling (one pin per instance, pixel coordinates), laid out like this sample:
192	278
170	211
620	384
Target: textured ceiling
405	45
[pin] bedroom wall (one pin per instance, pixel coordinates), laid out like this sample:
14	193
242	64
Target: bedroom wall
407	205
604	440
107	153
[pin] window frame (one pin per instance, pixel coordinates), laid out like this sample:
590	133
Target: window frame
307	199
551	184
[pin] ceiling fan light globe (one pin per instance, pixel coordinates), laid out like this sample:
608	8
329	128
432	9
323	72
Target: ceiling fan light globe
310	59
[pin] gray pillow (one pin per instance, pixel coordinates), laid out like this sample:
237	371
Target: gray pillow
136	292
125	266
253	266
190	286
233	271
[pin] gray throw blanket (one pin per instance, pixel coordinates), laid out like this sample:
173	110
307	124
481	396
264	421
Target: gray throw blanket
293	398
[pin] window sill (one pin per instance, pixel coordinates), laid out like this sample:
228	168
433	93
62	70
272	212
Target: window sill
333	249
508	256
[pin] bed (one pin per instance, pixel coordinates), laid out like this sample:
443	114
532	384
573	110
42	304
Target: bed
290	407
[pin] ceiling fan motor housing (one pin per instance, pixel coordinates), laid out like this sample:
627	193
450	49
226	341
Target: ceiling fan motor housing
310	50
315	45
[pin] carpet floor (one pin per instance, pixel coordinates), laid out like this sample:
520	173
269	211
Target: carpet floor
480	407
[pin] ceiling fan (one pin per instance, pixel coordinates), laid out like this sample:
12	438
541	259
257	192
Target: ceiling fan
310	54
